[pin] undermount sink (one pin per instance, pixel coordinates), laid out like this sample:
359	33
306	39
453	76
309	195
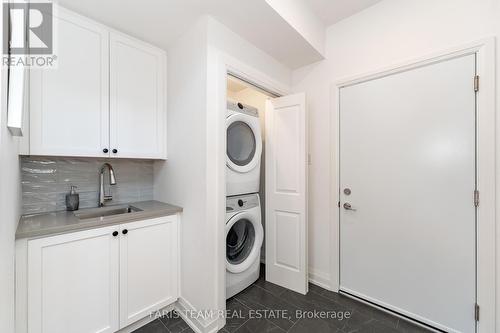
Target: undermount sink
92	213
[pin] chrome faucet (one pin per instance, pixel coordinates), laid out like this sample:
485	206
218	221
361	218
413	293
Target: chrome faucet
112	181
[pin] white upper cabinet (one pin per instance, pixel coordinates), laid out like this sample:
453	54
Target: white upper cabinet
69	105
136	98
105	98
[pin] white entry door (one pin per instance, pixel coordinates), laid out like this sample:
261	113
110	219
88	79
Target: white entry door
407	181
286	192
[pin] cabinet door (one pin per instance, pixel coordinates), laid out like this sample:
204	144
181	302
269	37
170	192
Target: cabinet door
137	119
73	282
69	107
148	267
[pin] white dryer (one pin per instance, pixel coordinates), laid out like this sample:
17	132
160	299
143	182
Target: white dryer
244	149
244	237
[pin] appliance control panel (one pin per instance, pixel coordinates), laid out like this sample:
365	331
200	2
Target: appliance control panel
242	108
242	202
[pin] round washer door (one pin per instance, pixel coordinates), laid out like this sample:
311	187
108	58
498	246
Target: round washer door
244	236
244	142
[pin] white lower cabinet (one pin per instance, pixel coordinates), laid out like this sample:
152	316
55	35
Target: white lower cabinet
98	280
73	282
148	268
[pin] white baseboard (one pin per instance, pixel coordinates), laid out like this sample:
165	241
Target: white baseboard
146	320
319	279
196	323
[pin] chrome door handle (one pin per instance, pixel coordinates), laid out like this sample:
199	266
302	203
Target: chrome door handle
347	206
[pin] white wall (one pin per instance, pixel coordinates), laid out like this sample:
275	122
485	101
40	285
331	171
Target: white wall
10	207
224	41
181	180
301	17
390	32
192	174
227	47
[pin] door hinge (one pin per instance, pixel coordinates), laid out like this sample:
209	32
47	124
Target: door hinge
476	198
476	312
476	83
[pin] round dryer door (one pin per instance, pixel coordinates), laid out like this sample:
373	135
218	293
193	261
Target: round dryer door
244	236
244	142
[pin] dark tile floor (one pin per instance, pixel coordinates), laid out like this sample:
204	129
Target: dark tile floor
280	311
171	323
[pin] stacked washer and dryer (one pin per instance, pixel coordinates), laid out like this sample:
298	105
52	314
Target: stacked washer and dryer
244	231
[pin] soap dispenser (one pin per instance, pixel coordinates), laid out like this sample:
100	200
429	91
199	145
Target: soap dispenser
72	199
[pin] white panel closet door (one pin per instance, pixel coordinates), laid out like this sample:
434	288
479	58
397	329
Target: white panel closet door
407	154
286	192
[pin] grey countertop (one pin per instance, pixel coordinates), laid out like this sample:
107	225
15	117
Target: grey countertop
63	222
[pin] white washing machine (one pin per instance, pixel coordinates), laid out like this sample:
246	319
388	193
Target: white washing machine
244	237
244	149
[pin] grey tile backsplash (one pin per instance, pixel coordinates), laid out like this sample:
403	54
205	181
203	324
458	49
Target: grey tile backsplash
47	180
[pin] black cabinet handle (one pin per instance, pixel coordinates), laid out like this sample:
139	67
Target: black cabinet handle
124	231
115	151
105	150
115	233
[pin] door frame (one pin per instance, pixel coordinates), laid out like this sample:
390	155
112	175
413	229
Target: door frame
217	101
486	168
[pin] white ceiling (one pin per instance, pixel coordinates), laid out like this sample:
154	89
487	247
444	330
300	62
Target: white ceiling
161	22
332	11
